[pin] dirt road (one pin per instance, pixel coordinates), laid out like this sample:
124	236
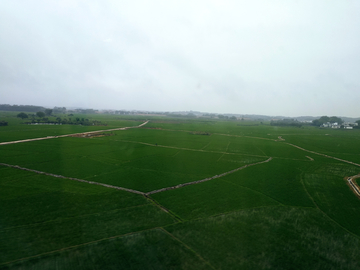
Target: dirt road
132	190
313	152
206	179
71	178
68	135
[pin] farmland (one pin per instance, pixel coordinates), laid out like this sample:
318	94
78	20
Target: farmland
284	204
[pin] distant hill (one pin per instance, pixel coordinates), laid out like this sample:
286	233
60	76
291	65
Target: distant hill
258	117
21	108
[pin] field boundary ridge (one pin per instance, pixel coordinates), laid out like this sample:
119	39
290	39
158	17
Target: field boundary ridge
343	160
353	185
69	135
206	179
74	179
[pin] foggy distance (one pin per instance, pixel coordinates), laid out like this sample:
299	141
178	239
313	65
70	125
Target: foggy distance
287	58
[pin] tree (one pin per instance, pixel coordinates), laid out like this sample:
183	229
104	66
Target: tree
22	115
59	110
334	119
358	124
40	114
48	112
326	119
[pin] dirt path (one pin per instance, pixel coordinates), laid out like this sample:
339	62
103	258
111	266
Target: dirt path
221	134
206	179
240	136
227	147
132	190
313	152
190	149
68	135
71	178
353	185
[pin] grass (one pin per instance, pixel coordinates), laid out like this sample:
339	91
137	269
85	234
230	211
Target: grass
152	249
289	213
328	189
259	185
140	167
342	144
210	198
274	237
16	130
41	214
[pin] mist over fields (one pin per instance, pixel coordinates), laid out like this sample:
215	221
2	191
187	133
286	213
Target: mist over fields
287	58
154	191
179	134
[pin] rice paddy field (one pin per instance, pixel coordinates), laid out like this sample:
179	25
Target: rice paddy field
178	194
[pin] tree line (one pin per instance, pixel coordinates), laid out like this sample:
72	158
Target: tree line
19	108
326	119
286	122
39	117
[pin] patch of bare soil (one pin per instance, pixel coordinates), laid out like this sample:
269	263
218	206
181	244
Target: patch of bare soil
199	133
91	135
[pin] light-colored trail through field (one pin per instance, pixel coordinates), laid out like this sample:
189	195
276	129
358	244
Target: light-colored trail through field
313	152
353	185
206	179
75	179
245	136
68	135
205	151
191	149
320	154
132	190
221	134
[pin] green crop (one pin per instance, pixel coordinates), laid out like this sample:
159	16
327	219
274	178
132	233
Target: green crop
284	208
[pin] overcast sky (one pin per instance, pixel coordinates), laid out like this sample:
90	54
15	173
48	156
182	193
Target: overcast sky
287	58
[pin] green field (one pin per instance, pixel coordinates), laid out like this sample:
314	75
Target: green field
294	211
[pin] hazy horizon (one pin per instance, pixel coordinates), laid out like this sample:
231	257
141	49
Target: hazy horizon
278	58
189	111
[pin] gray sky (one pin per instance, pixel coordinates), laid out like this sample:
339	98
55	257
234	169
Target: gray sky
286	57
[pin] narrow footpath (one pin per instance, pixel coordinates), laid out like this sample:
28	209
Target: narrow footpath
353	185
132	190
313	152
206	179
71	178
